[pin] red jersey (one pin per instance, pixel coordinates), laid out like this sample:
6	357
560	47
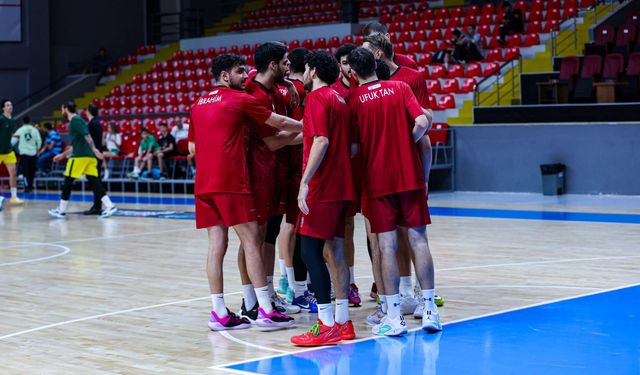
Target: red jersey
415	80
219	128
384	112
342	89
298	112
404	60
327	114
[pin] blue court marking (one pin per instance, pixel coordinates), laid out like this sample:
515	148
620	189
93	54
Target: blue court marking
596	334
434	210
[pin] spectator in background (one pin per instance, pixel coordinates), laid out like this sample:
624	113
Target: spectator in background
101	62
112	142
511	23
148	146
474	41
167	148
28	139
180	130
52	147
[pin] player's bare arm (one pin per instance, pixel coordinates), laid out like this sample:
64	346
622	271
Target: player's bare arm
316	155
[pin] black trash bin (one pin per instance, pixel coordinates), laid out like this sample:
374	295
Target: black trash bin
553	181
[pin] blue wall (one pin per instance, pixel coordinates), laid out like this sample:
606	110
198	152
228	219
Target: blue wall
600	159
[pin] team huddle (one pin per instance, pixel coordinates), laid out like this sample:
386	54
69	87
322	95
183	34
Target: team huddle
314	139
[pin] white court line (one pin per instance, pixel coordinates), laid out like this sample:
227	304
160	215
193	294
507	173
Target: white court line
201	298
107	314
224	367
65	251
568	260
236	340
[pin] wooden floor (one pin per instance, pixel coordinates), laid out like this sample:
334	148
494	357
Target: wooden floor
129	295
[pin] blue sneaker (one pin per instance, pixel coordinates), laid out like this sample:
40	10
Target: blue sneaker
306	302
283	285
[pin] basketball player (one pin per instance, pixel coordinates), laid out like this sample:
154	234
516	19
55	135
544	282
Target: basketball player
219	132
7	156
382	49
265	170
394	196
378	28
83	161
326	189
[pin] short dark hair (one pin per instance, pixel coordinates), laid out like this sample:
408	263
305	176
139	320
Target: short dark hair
381	42
48	126
382	70
93	109
224	63
163	124
4	101
267	53
325	65
70	106
373	28
26	119
144	130
296	57
457	33
344	50
362	62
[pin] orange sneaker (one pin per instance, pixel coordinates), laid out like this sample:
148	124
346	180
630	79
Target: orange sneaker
346	330
319	335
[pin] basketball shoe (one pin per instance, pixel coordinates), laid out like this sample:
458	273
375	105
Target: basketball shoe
282	306
431	319
283	285
354	296
229	322
57	213
347	332
16	201
377	316
274	319
318	335
2	199
306	302
391	327
251	315
108	212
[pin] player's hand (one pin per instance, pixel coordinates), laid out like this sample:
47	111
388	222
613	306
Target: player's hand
58	158
302	198
98	154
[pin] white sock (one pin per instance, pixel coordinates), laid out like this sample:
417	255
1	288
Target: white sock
342	311
136	170
325	314
428	295
217	301
299	287
308	278
383	303
14	192
270	285
264	299
291	276
406	288
63	205
250	298
352	279
106	201
393	306
283	268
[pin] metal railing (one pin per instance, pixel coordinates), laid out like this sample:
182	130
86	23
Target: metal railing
502	74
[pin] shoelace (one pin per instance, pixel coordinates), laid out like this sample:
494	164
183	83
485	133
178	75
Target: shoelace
315	329
310	298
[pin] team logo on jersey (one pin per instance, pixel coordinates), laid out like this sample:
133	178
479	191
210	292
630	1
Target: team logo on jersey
213	92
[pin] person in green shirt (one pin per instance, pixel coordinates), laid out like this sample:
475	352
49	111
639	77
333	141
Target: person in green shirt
28	139
7	156
82	161
148	147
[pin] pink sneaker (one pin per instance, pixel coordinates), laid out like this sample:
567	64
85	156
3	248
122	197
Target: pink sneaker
354	296
229	322
273	319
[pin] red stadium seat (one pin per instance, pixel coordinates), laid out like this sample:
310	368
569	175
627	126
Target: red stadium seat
433	86
451	86
446	102
334	42
531	40
514	40
613	66
550	26
438	133
347	39
320	43
494	55
456	70
468	85
424	59
512	53
491	68
433	102
473	70
438	71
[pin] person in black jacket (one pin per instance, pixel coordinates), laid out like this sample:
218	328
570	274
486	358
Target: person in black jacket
95	130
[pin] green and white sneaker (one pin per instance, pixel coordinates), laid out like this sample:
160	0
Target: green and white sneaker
391	327
283	285
290	296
